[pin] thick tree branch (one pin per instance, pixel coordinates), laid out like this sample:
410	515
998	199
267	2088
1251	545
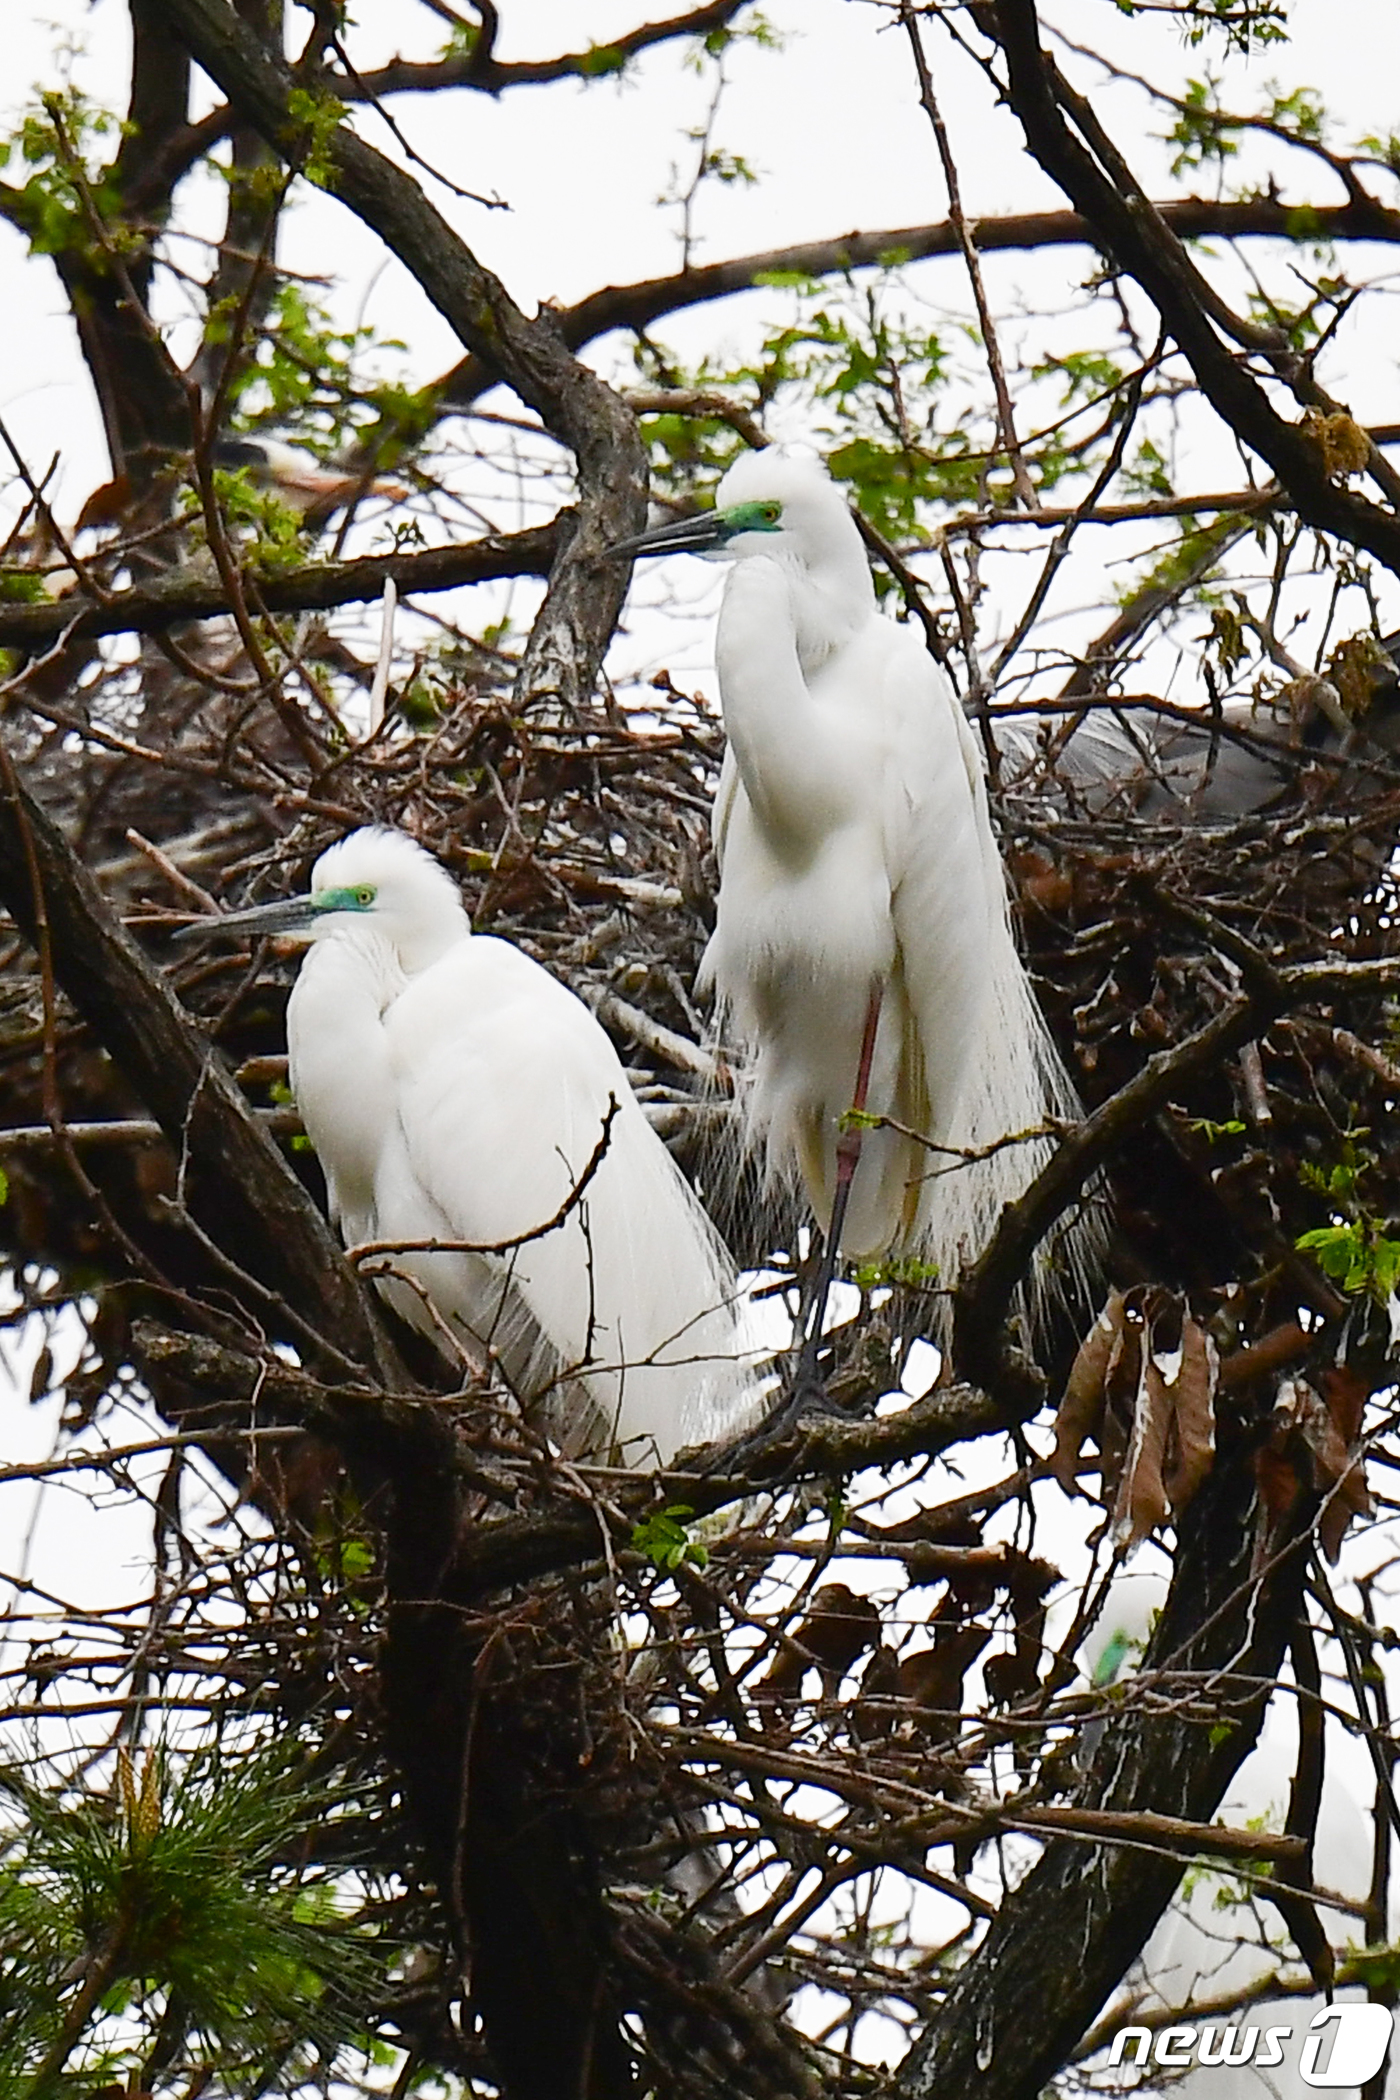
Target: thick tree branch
1191	218
237	1184
1064	1939
585	594
986	1291
186	1371
318	587
1143	243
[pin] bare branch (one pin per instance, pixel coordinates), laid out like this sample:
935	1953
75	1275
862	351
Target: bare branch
318	587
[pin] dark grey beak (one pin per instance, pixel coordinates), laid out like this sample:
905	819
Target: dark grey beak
287	915
703	535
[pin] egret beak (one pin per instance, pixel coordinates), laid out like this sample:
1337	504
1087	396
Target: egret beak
294	915
706	534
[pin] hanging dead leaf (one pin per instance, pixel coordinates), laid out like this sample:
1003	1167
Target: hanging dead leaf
871	1713
932	1679
1193	1415
1016	1675
838	1628
1278	1483
1141	1503
1330	1427
1082	1405
1346	1393
1326	1446
1351	1498
1121	1382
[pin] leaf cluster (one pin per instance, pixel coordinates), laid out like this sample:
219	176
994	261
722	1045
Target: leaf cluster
55	147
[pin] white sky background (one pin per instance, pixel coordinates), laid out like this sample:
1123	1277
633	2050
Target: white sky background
831	124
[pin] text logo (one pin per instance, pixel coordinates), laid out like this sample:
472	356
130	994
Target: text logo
1344	2046
1360	2036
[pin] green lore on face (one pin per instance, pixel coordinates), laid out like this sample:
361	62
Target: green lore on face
753	517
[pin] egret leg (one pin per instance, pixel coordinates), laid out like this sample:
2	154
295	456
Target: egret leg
807	1386
848	1148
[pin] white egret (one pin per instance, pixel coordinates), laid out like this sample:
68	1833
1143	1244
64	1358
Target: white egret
299	476
862	949
457	1093
1215	768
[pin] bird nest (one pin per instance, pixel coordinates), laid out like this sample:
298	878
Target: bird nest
713	1717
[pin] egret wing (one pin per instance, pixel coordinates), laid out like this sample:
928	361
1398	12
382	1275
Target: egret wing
509	1087
944	871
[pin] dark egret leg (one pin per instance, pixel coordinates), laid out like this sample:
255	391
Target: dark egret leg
807	1390
848	1149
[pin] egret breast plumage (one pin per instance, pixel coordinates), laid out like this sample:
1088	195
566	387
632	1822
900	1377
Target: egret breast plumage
858	862
455	1092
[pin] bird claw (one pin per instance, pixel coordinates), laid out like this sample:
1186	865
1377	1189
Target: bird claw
780	1433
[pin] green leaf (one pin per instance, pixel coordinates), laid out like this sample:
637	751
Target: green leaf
22	587
665	1540
1214	1132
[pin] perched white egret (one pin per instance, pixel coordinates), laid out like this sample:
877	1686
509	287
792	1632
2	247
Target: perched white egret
862	949
1214	768
299	476
455	1092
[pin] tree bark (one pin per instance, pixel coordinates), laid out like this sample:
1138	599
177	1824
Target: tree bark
1063	1941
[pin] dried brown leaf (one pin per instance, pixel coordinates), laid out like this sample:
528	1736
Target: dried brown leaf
932	1679
839	1627
1193	1396
1080	1409
1142	1497
1346	1393
1327	1447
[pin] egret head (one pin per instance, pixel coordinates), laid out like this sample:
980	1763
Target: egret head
781	504
377	881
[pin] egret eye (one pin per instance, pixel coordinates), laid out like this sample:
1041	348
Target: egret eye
770	512
364	896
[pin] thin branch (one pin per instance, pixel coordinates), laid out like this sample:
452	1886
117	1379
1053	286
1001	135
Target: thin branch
637	306
369	1250
479	68
1006	417
1142	242
985	1292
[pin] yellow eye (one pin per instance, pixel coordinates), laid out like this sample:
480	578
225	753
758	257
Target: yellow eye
770	512
364	895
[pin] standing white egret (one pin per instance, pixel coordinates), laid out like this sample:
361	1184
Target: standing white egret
455	1092
862	949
